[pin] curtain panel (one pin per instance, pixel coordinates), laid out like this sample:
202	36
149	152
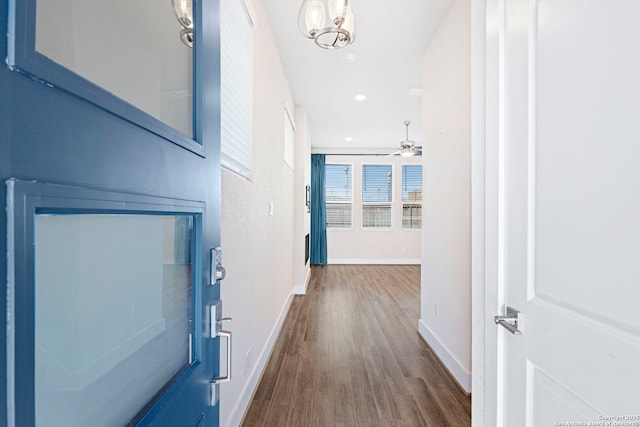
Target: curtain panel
318	211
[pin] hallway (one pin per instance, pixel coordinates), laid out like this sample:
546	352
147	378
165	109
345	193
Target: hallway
349	355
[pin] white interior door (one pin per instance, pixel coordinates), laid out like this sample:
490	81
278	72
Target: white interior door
563	209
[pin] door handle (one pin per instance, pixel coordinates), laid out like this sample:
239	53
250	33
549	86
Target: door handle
509	321
215	331
224	334
218	332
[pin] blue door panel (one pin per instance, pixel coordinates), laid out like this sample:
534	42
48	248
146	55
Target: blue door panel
49	135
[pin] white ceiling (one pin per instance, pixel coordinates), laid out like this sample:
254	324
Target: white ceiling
390	42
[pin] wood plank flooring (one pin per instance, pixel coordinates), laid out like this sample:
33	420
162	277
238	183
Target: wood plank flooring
349	355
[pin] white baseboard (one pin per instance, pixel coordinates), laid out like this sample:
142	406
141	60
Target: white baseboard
392	261
250	387
461	375
302	288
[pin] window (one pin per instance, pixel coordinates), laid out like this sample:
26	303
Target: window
134	272
289	136
111	284
125	58
236	75
377	196
412	196
339	195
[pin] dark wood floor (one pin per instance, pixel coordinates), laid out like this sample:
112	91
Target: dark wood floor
349	355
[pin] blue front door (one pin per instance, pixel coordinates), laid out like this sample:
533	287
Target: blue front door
110	217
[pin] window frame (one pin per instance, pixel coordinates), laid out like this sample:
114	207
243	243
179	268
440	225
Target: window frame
392	203
26	199
23	57
402	202
352	202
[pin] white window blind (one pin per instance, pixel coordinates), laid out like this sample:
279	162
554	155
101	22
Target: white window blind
236	75
412	196
377	196
289	137
339	195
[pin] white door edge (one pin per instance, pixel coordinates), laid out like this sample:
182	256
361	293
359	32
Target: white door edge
483	355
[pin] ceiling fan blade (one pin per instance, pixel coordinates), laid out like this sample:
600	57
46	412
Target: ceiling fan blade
394	153
417	151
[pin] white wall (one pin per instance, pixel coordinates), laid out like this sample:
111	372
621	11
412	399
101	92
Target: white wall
481	385
359	246
257	247
446	254
302	218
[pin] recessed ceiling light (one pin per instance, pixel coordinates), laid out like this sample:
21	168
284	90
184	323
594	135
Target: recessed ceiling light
351	58
360	97
348	139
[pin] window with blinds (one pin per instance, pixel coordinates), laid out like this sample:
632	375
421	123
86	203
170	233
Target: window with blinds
236	82
339	195
377	196
412	196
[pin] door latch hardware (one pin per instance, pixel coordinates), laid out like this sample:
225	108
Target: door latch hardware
215	382
218	272
226	334
216	331
509	321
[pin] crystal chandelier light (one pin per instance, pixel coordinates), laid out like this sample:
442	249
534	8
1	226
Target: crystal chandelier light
329	22
184	14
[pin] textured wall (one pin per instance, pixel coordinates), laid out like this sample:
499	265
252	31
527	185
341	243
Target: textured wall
446	244
302	219
258	247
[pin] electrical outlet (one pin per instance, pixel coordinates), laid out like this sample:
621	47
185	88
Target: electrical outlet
270	208
247	361
435	308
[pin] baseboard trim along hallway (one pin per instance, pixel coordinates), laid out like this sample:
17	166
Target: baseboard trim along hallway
461	375
242	404
349	355
302	288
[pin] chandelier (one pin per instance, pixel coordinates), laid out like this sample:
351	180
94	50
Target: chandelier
329	22
184	14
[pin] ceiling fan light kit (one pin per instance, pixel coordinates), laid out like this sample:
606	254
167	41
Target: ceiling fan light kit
329	22
407	152
408	148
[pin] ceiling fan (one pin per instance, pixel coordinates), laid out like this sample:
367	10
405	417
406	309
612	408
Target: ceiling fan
408	147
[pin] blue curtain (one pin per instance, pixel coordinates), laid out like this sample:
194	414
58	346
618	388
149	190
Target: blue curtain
318	211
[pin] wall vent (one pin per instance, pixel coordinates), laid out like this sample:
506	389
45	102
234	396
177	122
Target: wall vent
306	249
